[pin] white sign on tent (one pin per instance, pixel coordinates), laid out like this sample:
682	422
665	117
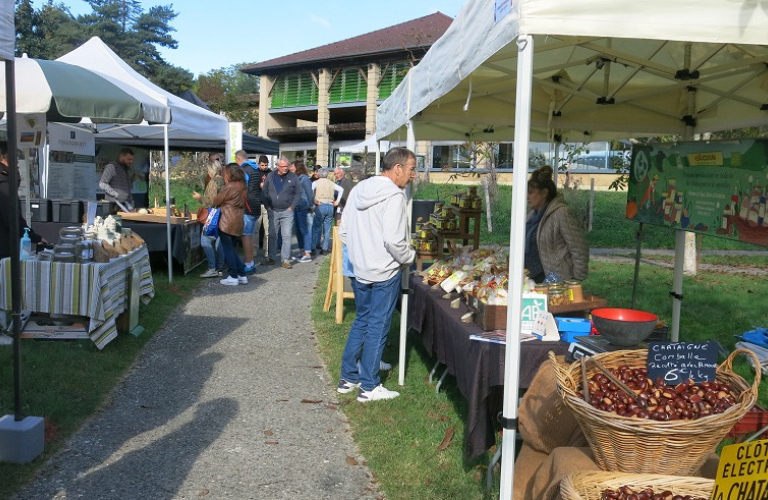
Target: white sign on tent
71	163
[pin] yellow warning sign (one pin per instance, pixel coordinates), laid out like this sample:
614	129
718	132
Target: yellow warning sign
743	472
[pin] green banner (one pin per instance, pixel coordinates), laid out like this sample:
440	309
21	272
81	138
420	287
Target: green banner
712	188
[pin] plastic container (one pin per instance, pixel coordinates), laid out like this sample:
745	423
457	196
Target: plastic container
25	250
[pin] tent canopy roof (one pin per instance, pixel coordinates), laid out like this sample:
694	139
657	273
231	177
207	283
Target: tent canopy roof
590	80
188	122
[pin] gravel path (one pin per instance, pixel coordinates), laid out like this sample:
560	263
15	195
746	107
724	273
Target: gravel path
626	256
228	401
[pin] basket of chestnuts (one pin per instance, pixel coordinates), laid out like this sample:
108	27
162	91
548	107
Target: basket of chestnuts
594	485
638	425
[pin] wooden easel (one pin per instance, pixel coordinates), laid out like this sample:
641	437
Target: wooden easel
336	279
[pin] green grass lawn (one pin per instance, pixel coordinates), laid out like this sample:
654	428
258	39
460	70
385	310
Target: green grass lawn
610	227
400	438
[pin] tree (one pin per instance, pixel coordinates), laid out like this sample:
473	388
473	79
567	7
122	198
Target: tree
229	91
123	25
46	33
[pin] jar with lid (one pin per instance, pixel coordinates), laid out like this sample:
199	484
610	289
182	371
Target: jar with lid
556	295
542	289
85	252
574	291
473	191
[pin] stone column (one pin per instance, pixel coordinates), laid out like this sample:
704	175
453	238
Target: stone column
374	73
323	117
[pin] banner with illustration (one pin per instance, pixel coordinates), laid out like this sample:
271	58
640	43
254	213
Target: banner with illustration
713	188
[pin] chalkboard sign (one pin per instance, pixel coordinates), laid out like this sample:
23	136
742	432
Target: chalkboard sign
677	362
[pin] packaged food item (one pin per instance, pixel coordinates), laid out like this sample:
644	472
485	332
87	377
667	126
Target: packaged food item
574	291
556	295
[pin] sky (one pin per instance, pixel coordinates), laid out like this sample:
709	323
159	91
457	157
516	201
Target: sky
221	33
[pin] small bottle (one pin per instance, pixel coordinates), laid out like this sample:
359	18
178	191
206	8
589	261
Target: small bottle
25	251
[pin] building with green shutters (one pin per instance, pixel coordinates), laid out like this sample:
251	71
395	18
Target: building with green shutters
319	101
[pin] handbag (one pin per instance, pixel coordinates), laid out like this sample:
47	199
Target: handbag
202	215
211	227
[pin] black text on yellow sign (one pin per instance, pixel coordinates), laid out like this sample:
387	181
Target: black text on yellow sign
743	472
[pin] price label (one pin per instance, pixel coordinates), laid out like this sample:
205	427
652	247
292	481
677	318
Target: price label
677	362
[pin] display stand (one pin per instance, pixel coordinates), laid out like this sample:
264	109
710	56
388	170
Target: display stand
336	279
448	242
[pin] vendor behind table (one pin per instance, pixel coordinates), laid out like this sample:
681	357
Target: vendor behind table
554	240
116	180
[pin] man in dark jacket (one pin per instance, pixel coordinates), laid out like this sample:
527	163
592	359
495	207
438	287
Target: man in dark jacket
5	211
255	176
281	193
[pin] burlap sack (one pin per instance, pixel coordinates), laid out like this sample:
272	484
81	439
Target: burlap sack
544	421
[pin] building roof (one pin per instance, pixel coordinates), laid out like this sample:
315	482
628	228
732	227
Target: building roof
419	33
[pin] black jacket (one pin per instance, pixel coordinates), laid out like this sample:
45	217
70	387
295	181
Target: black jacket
253	187
5	217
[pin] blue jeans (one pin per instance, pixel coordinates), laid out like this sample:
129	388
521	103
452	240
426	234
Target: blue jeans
322	222
282	221
303	233
236	267
215	257
375	303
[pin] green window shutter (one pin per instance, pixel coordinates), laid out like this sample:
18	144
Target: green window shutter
349	86
293	90
395	74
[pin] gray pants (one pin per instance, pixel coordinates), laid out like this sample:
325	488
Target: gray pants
281	221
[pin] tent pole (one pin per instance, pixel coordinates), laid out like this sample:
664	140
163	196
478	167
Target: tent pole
13	200
639	239
406	285
167	203
677	284
516	258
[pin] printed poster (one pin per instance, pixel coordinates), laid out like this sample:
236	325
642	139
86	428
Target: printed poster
71	163
713	188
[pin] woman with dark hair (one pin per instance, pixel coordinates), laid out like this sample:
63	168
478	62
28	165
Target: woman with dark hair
301	215
231	201
554	241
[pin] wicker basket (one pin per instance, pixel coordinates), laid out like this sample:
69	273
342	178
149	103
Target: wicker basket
626	444
590	485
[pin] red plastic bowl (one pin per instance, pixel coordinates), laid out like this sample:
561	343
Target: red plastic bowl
624	327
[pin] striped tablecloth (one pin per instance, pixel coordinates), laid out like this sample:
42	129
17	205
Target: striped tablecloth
96	291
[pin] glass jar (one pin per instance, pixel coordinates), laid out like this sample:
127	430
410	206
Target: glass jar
573	289
475	203
556	295
542	289
473	191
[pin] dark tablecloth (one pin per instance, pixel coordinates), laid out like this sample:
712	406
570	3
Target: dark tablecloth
477	366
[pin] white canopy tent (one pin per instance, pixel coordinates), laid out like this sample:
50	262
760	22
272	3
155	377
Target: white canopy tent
598	67
188	123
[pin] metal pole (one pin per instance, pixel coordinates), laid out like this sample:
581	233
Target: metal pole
13	199
639	239
516	259
168	204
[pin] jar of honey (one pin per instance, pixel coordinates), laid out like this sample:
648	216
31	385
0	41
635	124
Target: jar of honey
574	291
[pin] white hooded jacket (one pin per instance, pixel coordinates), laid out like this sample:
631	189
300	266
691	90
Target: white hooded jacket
374	228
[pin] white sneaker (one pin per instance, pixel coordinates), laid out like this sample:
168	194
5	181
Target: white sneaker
377	393
229	280
242	280
384	366
5	339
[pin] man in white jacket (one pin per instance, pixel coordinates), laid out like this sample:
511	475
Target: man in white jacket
375	230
